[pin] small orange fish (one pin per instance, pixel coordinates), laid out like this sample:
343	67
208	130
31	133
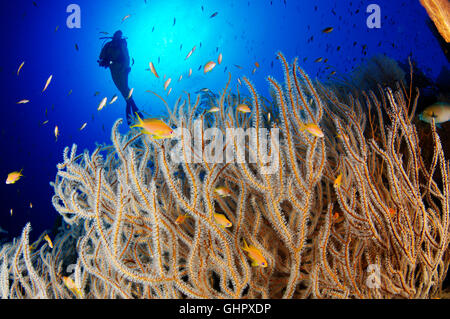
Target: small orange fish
130	93
20	67
48	240
11	211
337	218
102	104
255	255
23	101
114	99
181	218
327	30
181	76
170	90
83	126
72	287
318	60
190	53
313	129
222	220
56	132
155	127
214	109
253	71
219	60
257	64
31	205
209	66
243	108
152	68
126	17
14	177
166	84
392	212
338	181
223	191
190	72
47	83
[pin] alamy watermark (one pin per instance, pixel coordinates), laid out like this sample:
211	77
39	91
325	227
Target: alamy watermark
213	146
74	19
374	19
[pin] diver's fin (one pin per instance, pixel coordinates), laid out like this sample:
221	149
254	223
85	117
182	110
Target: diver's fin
131	110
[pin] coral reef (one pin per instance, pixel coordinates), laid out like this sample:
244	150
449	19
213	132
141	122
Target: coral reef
380	230
439	12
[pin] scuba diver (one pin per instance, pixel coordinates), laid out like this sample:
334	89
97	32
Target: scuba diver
115	55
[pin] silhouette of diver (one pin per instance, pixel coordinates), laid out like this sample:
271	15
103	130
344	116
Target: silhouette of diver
115	55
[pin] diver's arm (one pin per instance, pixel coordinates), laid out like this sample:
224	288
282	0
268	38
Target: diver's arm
103	58
103	52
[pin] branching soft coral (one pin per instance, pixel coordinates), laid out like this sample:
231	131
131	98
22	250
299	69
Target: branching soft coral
439	12
381	231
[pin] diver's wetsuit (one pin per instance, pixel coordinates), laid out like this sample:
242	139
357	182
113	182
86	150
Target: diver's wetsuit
115	55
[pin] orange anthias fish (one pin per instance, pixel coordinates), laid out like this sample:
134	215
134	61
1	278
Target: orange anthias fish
155	127
48	240
392	212
166	84
20	67
72	287
83	126
47	83
243	108
14	177
219	60
338	181
255	255
222	220
181	218
102	104
114	99
213	109
130	93
152	68
337	218
223	191
313	129
190	53
209	66
56	132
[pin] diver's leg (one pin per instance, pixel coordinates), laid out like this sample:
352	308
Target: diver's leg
132	109
129	114
120	78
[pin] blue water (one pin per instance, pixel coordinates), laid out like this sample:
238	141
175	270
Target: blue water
245	32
